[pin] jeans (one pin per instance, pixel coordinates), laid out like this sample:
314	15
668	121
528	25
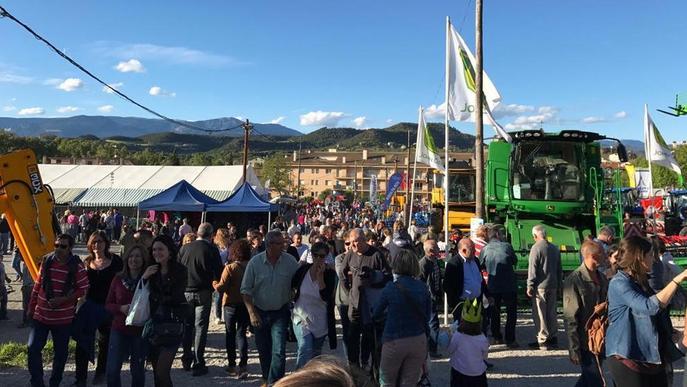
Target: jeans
309	346
510	301
25	299
343	315
236	322
270	338
37	339
4	243
16	262
433	328
196	327
81	357
217	305
590	376
123	347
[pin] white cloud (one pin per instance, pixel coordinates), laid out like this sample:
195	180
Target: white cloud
621	114
9	108
8	77
70	84
32	111
52	81
106	109
389	120
159	92
67	109
593	120
534	121
434	111
359	121
170	54
115	86
278	120
503	110
320	118
130	66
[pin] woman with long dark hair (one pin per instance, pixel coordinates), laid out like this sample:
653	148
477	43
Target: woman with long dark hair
166	279
235	312
126	341
101	266
639	348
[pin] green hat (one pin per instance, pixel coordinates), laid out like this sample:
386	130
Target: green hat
472	311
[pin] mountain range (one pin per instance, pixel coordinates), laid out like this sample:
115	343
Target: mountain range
163	135
108	126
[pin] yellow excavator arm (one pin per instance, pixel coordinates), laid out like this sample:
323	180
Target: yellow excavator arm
28	206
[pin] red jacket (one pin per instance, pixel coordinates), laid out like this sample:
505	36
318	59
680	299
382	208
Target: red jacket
119	295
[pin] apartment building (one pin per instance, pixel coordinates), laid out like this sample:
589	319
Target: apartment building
316	171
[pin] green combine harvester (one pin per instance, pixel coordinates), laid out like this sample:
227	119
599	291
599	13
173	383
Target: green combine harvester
553	179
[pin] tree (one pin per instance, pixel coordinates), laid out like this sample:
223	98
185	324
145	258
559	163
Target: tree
323	195
661	176
276	171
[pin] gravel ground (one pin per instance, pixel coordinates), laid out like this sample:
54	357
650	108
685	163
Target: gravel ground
520	367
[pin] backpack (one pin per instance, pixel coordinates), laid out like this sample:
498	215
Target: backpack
596	333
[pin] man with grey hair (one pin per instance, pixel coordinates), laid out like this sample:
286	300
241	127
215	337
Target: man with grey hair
204	265
605	238
266	291
364	271
544	277
499	259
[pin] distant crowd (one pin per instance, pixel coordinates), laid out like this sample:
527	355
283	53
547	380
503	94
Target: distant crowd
384	286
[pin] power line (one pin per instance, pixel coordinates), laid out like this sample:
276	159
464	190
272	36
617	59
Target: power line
5	13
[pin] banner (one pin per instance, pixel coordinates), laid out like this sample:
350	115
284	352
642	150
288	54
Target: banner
657	151
461	83
373	189
425	149
643	182
392	185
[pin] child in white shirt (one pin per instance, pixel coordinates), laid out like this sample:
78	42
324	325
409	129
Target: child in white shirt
468	349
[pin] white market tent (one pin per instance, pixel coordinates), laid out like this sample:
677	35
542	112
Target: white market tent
127	185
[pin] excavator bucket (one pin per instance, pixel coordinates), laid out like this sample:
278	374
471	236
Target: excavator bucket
28	206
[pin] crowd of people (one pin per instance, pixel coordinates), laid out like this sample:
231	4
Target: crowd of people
384	285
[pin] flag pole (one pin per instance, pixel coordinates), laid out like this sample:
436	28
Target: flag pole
446	185
412	190
647	148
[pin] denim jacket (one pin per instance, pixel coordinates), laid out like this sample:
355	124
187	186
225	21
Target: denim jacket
632	314
402	320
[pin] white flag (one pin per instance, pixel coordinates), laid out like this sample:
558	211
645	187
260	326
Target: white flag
657	151
460	65
425	149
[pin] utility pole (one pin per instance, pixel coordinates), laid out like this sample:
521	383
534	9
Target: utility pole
247	127
406	210
479	128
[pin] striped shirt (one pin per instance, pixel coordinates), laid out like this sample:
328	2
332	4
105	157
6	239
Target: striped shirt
63	314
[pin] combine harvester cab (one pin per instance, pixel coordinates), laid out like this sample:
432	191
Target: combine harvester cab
553	179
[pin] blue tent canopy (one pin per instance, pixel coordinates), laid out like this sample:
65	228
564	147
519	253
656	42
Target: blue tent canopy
182	196
245	199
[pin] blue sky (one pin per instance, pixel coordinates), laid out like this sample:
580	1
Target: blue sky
588	65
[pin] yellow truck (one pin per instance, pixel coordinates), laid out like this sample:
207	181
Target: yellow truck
461	201
28	206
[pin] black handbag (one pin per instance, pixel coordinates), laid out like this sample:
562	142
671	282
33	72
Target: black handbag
163	332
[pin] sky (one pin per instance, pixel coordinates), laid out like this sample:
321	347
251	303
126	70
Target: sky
588	65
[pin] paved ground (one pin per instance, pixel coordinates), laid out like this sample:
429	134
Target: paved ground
512	367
